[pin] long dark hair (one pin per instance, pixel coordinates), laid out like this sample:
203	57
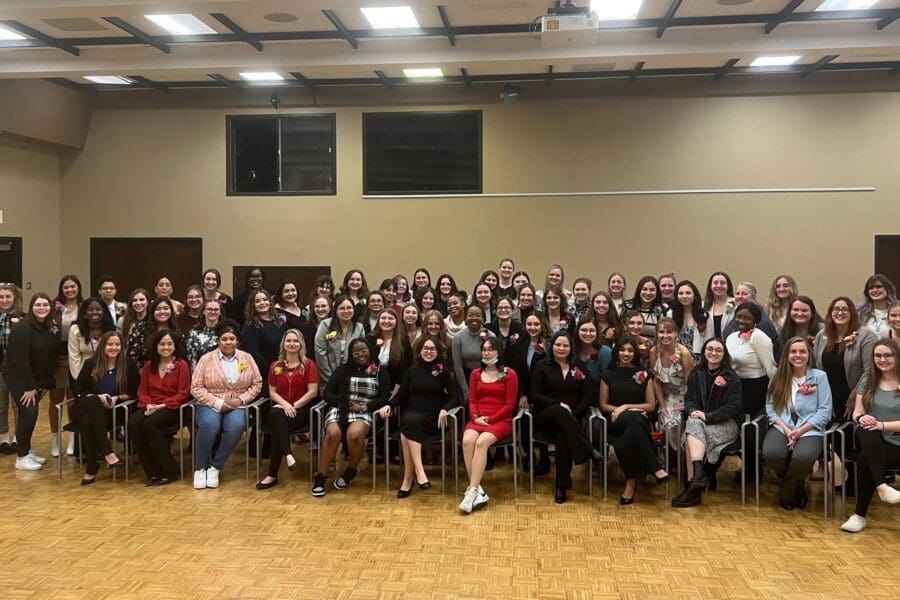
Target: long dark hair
153	350
106	323
865	309
637	361
831	331
121	362
873	379
561	333
152	327
704	364
710	297
59	294
130	317
789	330
700	315
636	302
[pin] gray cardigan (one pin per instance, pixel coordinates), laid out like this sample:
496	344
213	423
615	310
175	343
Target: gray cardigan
857	358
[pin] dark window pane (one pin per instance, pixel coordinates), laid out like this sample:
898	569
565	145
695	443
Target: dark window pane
422	152
254	148
307	155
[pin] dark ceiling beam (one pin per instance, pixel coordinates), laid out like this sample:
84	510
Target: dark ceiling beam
448	29
636	72
782	16
138	34
237	30
52	42
725	69
818	65
303	79
339	25
548	78
385	80
81	87
465	77
667	20
886	21
225	82
147	83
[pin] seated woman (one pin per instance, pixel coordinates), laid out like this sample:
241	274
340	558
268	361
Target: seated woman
107	378
671	364
165	386
877	413
425	396
627	400
492	400
799	410
225	381
293	386
560	393
713	408
357	388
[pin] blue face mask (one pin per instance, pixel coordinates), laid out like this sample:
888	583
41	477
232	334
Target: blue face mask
491	362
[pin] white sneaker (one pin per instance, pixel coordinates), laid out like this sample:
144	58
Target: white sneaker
481	499
854	524
70	449
38	459
889	494
200	479
212	477
24	463
54	445
468	500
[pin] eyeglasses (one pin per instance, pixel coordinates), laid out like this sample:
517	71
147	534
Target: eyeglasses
840	310
429	349
883	356
715	350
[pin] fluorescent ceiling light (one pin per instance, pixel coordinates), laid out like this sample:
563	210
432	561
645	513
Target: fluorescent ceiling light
616	10
184	24
391	17
9	34
774	61
846	5
430	72
262	76
109	79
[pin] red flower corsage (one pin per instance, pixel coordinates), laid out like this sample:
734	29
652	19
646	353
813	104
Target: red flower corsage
577	374
675	358
373	369
609	334
720	381
437	370
640	377
594	354
745	335
808	388
538	347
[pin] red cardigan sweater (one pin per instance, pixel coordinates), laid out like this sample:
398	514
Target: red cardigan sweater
172	389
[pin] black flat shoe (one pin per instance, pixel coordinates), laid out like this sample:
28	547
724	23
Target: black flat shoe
424	485
401	493
294	466
623	501
152	481
690	497
158	481
88	481
560	497
786	505
801	499
265	486
5	448
114	465
699	481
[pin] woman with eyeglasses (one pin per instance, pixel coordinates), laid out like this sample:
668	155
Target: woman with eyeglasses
202	337
507	329
193	308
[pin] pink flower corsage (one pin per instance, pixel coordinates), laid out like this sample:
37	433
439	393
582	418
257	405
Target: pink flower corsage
745	335
850	340
514	338
675	358
577	374
373	369
59	306
640	377
437	370
807	388
720	381
538	347
169	368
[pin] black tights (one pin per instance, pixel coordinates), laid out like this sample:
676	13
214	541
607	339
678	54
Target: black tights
875	456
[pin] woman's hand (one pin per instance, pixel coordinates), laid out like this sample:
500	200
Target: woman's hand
231	404
523	402
698	414
615	413
385	411
29	398
566	406
106	400
483	421
289	410
870	423
356	407
442	419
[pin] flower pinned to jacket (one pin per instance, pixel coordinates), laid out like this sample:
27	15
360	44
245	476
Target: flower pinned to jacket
745	335
504	372
513	338
280	319
372	369
850	340
59	306
729	307
594	354
641	377
609	334
379	342
171	367
242	366
483	334
331	335
720	381
15	320
577	374
120	310
643	346
807	388
538	347
701	327
437	369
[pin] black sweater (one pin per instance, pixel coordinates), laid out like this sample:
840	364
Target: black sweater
422	391
718	403
30	361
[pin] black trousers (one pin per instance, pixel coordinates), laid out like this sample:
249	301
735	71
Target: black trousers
572	445
635	450
94	420
282	427
151	444
28	415
875	456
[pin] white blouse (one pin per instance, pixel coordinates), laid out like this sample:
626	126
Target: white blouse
751	358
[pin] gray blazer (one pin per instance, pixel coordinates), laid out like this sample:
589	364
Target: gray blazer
329	355
857	358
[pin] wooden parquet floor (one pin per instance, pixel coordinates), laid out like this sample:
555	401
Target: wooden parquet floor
123	540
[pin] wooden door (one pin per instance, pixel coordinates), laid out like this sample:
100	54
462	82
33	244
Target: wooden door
140	262
887	256
304	276
11	260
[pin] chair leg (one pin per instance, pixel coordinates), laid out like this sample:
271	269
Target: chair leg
374	453
515	454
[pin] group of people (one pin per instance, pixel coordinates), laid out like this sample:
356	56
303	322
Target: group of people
666	359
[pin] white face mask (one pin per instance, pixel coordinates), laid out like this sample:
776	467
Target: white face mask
491	362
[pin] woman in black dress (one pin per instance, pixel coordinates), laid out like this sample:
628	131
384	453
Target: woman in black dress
261	336
426	395
627	399
560	393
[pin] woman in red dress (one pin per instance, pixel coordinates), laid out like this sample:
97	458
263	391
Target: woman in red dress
492	399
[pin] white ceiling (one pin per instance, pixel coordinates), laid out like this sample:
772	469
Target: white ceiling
853	41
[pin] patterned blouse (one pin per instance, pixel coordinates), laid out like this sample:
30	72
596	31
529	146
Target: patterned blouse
198	342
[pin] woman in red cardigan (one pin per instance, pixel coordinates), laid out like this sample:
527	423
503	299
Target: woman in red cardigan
165	386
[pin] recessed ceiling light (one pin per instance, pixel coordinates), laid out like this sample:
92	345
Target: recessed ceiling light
261	76
9	34
426	73
846	5
774	61
109	79
183	24
616	10
390	17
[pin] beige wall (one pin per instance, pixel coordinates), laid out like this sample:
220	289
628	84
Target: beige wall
29	199
161	172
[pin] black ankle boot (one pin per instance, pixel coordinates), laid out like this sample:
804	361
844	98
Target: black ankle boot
700	480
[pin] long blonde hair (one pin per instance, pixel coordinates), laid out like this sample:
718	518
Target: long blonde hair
282	353
775	308
16	309
873	379
780	387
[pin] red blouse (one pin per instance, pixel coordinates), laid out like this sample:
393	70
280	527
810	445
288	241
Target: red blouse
291	384
172	389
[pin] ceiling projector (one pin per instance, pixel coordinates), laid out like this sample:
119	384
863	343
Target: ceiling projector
569	25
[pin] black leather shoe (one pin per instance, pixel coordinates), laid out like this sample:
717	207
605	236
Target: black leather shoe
801	499
786	505
623	501
401	493
158	481
424	485
699	481
265	486
294	466
88	481
690	497
114	465
152	481
662	479
5	448
560	496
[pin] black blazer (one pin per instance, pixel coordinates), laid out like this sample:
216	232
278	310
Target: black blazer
397	371
85	384
516	356
515	329
717	403
337	395
548	388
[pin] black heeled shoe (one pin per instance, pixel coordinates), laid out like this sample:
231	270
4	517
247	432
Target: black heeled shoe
401	493
114	465
294	466
424	485
560	496
88	481
623	501
801	499
662	479
265	486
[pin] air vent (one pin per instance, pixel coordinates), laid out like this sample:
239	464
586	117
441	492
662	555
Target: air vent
280	17
584	67
75	24
733	2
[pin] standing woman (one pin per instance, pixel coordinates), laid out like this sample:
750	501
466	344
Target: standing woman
261	335
667	284
29	369
390	347
556	278
355	287
627	399
202	338
225	382
165	289
893	320
561	394
373	306
254	279
529	350
519	279
799	410
615	285
556	309
65	306
581	298
411	321
877	413
690	317
878	294
333	338
135	312
404	294
592	356
388	291
10	315
288	312
421	281
324	289
781	294
108	377
212	281
671	364
425	300
504	326
526	303
633	322
456	317
319	311
162	316
424	398
606	317
505	287
293	387
492	400
843	349
803	320
466	348
193	308
719	303
433	324
446	287
646	301
484	297
93	321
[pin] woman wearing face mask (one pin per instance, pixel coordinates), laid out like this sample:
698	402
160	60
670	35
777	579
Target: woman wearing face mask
333	338
135	312
526	303
202	338
28	369
288	312
561	394
615	285
719	303
783	291
254	280
799	410
466	348
671	364
878	294
320	309
627	399
162	316
212	281
505	287
690	317
261	335
10	315
193	308
456	315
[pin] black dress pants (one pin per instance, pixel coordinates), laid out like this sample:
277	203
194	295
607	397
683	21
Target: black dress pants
151	444
572	446
282	427
875	455
635	450
95	420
